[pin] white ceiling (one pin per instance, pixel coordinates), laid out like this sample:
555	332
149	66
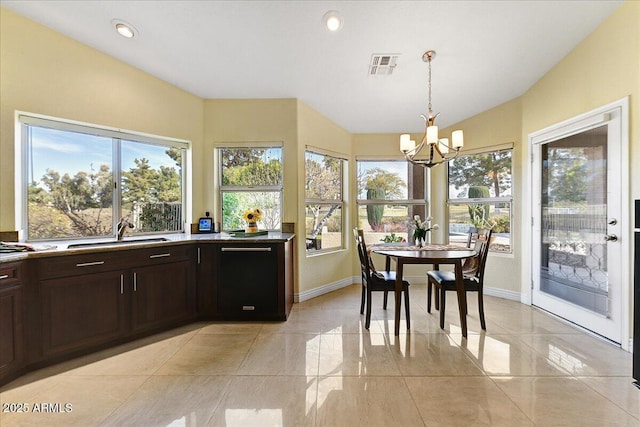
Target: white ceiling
488	52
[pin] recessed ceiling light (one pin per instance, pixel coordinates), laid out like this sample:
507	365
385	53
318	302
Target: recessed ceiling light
124	29
332	20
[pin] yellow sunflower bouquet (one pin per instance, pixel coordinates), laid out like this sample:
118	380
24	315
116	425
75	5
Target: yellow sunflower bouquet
251	217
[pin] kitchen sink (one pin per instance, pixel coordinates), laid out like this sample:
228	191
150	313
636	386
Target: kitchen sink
117	242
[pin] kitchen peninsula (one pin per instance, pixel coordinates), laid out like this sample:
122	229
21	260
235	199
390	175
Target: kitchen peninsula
77	298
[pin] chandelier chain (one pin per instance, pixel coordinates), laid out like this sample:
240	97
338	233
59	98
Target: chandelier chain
430	110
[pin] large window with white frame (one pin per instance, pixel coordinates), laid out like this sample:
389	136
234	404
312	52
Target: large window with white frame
251	177
324	201
80	180
480	194
390	193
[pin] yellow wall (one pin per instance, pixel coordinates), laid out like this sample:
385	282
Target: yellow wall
316	131
47	73
497	126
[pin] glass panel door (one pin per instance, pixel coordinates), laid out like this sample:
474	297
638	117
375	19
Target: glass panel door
574	220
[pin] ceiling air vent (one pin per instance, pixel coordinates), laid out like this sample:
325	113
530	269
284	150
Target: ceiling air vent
382	65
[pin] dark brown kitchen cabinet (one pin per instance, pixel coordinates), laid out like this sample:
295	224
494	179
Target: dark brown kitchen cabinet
207	292
162	295
89	300
82	311
11	319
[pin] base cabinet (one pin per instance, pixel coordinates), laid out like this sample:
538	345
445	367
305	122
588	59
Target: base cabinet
162	295
57	306
107	297
11	320
82	311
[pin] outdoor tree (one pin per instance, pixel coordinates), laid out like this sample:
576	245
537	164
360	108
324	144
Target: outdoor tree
249	168
390	182
491	170
85	199
567	181
323	180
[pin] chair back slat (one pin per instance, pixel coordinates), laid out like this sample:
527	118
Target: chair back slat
474	267
484	254
365	268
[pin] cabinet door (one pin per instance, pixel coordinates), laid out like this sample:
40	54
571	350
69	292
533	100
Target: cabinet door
79	312
206	281
11	337
248	282
162	295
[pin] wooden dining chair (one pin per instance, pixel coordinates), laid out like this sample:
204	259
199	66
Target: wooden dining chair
376	281
473	272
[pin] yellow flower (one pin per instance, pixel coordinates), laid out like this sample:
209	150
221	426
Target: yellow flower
252	215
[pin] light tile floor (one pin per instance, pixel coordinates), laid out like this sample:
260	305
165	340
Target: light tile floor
322	368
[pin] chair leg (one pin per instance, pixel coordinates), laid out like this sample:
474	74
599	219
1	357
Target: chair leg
429	286
386	297
442	307
406	307
367	321
481	310
436	298
362	299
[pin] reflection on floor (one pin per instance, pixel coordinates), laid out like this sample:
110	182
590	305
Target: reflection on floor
321	368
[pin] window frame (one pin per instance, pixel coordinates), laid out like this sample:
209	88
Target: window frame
458	201
249	188
344	164
25	121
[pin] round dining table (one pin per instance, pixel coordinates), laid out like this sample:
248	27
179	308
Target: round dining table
430	254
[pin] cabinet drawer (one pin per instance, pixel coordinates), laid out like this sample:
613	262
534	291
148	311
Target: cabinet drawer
162	254
72	265
10	273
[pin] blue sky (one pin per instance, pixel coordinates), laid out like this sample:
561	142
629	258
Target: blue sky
71	152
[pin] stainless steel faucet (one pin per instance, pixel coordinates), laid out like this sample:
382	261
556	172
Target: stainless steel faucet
122	226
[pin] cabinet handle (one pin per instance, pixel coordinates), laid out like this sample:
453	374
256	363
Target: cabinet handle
159	256
135	282
4	276
198	255
121	284
87	264
246	249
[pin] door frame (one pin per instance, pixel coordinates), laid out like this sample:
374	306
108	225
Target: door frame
556	131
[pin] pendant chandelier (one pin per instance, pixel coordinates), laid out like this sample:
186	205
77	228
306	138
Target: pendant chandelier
439	150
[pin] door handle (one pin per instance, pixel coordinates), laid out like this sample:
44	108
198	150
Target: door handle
611	238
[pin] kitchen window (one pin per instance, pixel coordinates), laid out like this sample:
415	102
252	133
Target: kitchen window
390	192
251	177
324	201
480	195
79	180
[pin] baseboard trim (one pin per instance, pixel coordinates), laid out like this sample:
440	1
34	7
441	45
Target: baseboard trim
504	294
325	289
330	287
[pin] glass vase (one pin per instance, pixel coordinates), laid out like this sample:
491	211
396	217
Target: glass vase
252	227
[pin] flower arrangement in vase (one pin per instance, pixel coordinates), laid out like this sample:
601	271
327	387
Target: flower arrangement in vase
420	229
251	217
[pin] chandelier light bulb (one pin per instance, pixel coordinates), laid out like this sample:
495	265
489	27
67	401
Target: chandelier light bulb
458	139
432	134
444	145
